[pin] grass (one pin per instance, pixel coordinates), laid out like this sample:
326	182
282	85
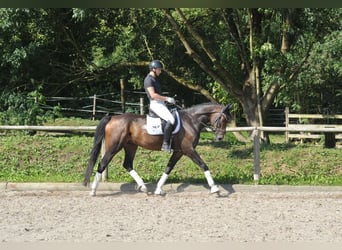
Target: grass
63	158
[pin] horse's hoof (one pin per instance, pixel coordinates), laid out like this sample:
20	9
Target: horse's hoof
142	188
214	189
159	191
92	193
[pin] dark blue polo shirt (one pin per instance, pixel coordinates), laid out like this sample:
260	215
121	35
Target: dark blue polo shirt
152	82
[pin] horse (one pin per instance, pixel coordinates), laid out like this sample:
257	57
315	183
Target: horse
128	131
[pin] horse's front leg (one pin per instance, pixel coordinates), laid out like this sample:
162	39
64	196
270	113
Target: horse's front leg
172	162
130	151
141	185
194	156
213	187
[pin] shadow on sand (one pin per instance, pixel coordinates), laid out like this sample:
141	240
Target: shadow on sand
173	188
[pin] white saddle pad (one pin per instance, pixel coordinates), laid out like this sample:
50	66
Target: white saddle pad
154	126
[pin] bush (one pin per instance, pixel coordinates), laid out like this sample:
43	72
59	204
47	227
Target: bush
24	108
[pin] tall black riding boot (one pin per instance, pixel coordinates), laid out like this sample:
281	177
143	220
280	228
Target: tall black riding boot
167	136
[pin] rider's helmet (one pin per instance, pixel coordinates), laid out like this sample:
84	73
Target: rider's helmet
155	64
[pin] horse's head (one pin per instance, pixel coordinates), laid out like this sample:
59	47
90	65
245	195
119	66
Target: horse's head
219	121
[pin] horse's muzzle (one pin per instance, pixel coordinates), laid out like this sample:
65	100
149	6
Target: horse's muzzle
218	138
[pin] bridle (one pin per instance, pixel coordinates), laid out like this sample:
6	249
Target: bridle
216	125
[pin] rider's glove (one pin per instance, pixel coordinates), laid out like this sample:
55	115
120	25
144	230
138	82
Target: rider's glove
171	100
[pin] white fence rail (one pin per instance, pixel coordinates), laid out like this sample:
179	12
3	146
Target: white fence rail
51	128
255	131
230	129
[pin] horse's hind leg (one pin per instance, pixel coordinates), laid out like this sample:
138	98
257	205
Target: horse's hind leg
101	167
98	175
95	183
130	150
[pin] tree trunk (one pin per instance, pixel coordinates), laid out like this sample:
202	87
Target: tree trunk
285	40
249	101
252	87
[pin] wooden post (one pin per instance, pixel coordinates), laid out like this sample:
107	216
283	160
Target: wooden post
94	106
123	100
287	122
256	152
141	105
329	140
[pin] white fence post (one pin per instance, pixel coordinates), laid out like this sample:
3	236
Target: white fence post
287	111
94	106
141	105
256	153
123	99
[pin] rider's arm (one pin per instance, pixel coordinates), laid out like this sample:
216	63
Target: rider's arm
156	96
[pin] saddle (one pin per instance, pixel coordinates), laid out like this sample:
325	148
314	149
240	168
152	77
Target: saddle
155	125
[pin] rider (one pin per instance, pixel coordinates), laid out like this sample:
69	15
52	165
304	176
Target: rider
157	101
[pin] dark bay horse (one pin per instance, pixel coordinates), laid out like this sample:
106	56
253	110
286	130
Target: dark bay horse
128	131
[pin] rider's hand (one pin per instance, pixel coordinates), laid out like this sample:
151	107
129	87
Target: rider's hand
171	100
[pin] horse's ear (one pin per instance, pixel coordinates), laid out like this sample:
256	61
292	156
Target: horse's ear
228	108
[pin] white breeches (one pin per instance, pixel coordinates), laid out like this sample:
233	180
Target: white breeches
162	111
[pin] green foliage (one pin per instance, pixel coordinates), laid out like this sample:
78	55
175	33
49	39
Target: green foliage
79	52
311	70
220	95
318	84
24	108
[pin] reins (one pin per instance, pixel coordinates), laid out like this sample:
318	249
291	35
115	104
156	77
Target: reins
213	127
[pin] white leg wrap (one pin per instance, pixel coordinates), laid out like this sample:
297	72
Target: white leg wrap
95	184
161	183
138	180
213	188
209	178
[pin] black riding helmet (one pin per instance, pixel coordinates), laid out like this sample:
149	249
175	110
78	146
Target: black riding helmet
155	64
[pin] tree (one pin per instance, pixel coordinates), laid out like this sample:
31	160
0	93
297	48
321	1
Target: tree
271	45
256	57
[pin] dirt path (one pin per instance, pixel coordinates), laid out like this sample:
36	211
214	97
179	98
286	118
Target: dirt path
74	216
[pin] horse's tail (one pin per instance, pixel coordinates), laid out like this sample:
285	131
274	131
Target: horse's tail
99	136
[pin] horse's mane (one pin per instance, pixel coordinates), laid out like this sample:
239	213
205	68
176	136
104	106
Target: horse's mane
201	106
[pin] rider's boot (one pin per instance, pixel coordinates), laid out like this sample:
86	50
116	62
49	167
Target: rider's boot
167	136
